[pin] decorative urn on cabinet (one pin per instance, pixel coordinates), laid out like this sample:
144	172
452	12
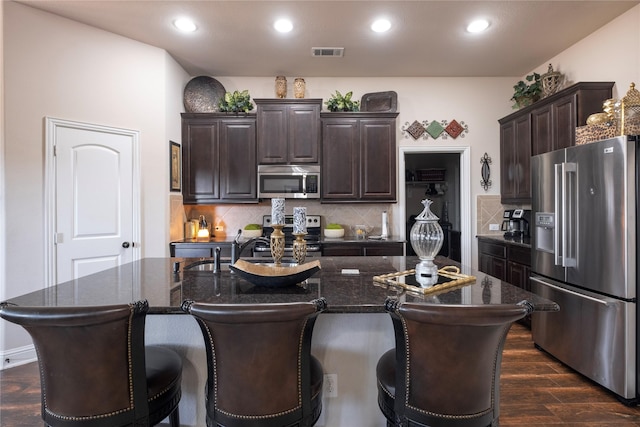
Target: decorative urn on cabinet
426	238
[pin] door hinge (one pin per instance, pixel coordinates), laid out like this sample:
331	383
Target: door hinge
58	238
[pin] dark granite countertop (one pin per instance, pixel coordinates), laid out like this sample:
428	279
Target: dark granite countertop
517	241
346	239
154	279
354	239
226	239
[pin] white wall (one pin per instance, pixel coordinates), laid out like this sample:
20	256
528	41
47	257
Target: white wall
59	68
3	229
610	54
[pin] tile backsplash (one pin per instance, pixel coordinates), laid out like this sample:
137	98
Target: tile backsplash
230	218
489	211
226	220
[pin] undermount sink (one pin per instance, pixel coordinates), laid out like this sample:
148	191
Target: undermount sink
208	264
206	267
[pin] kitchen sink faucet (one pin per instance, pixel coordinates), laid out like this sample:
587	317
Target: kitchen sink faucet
237	247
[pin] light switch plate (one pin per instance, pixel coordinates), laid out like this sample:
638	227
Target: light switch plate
494	227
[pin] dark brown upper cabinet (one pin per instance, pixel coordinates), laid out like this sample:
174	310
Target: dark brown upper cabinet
288	130
358	157
218	158
546	125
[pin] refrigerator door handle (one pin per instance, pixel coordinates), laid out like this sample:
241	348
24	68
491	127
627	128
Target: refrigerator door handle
568	207
557	208
568	291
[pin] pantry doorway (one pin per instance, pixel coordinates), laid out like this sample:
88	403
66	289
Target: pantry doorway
440	174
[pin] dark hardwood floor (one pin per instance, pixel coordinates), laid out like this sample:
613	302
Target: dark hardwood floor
536	390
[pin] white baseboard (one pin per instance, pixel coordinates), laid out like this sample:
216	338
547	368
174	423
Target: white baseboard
18	356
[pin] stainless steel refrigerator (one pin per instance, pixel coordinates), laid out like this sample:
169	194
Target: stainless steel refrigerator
585	257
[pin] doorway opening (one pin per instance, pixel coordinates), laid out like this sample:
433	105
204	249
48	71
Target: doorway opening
441	175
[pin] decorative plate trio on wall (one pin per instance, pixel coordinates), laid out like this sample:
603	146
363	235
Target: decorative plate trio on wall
435	129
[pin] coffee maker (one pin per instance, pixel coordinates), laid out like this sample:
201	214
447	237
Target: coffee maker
515	223
506	221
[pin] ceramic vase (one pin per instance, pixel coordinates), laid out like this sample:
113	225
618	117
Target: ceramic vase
299	86
281	87
426	238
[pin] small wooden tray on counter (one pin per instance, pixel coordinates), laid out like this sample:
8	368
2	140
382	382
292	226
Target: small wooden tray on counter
449	278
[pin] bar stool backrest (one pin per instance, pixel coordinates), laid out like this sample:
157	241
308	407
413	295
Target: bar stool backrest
448	360
92	362
259	361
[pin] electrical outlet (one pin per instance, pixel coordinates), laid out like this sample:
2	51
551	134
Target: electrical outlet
494	227
331	385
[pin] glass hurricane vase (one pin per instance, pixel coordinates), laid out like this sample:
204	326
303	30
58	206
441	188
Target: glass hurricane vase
426	238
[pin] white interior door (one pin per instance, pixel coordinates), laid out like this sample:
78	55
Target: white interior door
95	207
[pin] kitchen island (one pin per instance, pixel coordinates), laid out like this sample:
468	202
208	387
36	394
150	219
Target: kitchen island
348	339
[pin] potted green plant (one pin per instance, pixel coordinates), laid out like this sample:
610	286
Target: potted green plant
527	93
236	102
338	102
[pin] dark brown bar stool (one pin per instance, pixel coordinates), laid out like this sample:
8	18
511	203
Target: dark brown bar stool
260	369
445	369
95	370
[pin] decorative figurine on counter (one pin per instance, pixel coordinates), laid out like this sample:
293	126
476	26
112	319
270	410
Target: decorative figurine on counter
277	236
299	231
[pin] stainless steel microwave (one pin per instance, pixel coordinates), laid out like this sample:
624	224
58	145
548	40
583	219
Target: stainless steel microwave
289	181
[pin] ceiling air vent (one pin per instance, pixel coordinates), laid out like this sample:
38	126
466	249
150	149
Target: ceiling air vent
327	51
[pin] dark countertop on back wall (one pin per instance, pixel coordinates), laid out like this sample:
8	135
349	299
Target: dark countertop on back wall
211	240
517	241
345	239
354	239
154	279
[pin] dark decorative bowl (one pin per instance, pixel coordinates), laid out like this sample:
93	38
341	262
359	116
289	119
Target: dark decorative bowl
274	276
202	95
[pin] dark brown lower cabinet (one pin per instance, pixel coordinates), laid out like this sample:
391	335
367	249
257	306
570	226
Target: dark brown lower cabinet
519	266
510	262
492	259
363	249
199	249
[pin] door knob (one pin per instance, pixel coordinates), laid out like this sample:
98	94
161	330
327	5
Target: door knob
125	245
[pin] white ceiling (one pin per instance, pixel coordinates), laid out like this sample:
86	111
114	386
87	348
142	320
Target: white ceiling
427	38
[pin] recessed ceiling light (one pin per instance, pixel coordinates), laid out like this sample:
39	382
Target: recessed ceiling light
381	25
478	26
283	25
185	24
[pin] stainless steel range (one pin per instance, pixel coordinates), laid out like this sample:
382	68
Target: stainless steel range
261	249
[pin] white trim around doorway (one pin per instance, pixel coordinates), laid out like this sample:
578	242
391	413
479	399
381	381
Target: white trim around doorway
465	192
